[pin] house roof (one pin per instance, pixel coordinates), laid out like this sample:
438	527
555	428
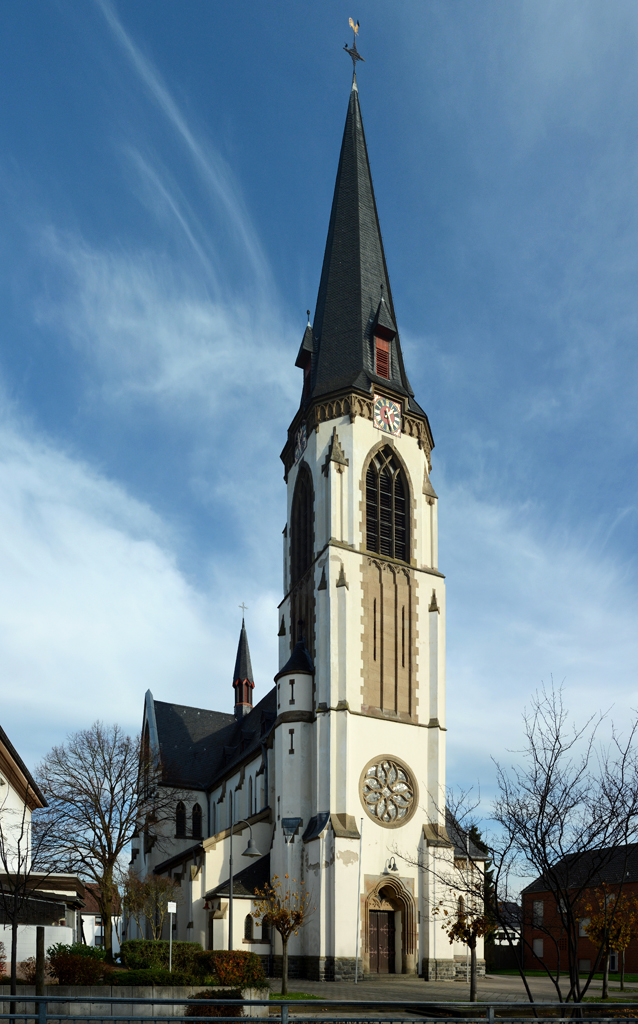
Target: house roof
18	774
610	865
255	876
198	747
91	905
354	291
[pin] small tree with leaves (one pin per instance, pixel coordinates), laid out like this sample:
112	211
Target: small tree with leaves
146	900
613	916
466	925
286	910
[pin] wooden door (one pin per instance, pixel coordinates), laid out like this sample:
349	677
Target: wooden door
382	938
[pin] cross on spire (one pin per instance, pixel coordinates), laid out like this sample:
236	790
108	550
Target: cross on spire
244	609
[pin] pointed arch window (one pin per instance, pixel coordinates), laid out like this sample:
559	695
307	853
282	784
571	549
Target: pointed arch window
180	821
387	506
302	526
248	928
197	821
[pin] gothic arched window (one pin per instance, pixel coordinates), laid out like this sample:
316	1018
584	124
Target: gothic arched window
197	821
265	929
387	506
248	928
180	821
302	527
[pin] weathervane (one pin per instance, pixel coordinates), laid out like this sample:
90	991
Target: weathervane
352	50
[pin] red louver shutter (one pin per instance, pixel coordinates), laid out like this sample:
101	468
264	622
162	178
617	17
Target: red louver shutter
383	358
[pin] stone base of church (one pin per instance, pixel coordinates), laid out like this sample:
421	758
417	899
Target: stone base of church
315	968
448	970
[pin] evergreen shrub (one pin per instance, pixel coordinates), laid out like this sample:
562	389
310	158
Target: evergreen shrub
145	954
72	965
208	1010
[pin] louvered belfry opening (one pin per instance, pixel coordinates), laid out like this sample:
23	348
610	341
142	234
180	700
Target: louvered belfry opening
386	506
302	526
382	357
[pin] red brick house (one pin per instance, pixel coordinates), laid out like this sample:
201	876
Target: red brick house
545	938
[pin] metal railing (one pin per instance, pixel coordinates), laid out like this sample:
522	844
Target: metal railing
41	1010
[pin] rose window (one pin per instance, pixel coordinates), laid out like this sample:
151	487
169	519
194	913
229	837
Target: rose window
388	792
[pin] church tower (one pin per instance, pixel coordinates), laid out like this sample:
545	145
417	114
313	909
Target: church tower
366	743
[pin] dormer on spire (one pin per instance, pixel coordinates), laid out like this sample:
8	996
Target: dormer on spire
243	683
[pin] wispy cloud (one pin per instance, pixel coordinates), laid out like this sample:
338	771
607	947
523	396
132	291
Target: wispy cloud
210	165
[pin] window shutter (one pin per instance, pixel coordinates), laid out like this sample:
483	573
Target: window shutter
383	358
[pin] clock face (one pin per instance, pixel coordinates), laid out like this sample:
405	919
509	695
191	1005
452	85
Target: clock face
387	415
301	441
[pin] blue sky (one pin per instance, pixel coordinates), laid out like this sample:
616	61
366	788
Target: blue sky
165	183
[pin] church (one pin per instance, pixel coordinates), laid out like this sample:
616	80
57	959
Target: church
335	776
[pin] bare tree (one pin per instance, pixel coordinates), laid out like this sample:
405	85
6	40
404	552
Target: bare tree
567	813
102	787
146	900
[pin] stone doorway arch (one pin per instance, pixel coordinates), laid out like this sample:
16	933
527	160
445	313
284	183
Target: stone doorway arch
390	895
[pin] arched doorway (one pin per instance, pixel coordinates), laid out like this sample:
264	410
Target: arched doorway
390	929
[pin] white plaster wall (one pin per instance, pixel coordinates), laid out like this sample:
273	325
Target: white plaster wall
15	829
27	937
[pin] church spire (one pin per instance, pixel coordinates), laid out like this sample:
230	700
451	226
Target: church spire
354	311
243	683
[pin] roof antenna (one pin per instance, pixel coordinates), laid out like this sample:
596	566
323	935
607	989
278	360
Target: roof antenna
353	52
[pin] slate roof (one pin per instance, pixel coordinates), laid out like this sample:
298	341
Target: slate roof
593	867
354	291
199	746
299	660
458	836
243	667
255	876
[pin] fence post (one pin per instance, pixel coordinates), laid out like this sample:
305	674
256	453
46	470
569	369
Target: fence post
490	1014
284	1014
42	1011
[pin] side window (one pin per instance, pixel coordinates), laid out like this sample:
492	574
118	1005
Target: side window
180	821
387	506
538	948
248	928
197	822
302	526
583	925
537	914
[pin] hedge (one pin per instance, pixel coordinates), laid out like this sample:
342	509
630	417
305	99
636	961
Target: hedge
146	954
226	967
152	976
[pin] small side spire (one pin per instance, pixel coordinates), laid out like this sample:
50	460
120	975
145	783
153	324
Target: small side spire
243	683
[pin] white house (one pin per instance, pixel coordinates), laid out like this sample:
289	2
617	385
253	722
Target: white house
54	898
340	768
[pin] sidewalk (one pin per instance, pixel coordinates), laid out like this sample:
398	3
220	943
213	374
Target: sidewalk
492	988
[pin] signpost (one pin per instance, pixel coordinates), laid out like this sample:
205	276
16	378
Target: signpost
172	909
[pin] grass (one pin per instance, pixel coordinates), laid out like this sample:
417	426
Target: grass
293	995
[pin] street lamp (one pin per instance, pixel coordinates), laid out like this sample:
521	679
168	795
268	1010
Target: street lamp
250	851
